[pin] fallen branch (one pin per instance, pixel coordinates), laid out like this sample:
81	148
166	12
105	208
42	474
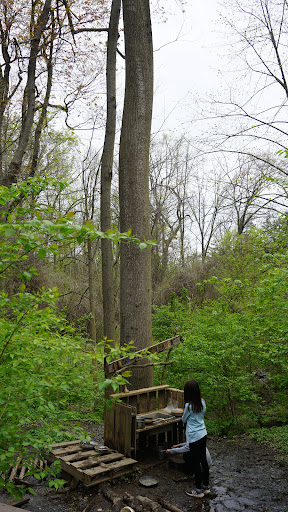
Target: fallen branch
116	501
138	503
168	506
109	495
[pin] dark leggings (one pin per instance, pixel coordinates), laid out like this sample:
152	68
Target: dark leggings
198	459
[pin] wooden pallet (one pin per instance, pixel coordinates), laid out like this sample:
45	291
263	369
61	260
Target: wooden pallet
19	469
90	466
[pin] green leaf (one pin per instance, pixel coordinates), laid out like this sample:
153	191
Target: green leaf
42	253
9	232
126	374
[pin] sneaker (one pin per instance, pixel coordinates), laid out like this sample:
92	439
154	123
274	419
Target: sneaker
195	493
206	489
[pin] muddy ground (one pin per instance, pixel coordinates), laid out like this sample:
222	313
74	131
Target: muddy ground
245	476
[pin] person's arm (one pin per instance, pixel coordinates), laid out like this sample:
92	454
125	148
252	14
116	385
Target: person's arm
179	448
204	405
172	447
185	414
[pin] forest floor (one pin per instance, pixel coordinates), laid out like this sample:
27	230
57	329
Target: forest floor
245	476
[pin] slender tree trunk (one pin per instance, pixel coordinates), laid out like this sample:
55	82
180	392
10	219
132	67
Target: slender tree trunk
4	89
43	115
106	174
92	301
28	110
135	266
92	322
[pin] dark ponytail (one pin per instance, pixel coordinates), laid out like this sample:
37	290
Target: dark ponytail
192	395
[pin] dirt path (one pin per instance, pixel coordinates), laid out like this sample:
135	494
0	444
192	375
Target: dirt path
245	476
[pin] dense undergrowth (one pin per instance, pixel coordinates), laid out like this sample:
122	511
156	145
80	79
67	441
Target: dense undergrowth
277	437
51	376
235	345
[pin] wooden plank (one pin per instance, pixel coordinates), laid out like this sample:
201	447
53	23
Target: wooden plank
109	427
61	452
169	396
162	425
133	434
143	402
178	395
79	456
111	467
152	401
170	437
181	399
65	444
162	399
175	434
15	469
139	391
22	472
8	508
133	401
94	461
123	414
174	397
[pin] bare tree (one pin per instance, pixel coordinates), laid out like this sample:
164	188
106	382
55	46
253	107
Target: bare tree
170	172
206	206
256	115
250	193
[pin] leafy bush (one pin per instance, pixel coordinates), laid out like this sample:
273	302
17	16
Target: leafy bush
235	346
49	375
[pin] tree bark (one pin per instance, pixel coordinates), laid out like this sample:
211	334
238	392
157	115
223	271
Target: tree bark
92	300
106	174
135	266
43	114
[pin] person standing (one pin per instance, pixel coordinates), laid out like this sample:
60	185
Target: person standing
196	436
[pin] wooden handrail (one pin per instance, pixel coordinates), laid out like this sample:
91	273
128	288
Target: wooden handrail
140	391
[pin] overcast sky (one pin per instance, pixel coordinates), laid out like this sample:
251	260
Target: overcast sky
186	61
186	64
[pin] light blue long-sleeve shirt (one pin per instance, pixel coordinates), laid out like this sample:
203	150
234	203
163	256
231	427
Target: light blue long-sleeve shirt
195	426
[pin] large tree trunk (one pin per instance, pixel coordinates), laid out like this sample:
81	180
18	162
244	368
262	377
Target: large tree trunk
135	266
106	174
